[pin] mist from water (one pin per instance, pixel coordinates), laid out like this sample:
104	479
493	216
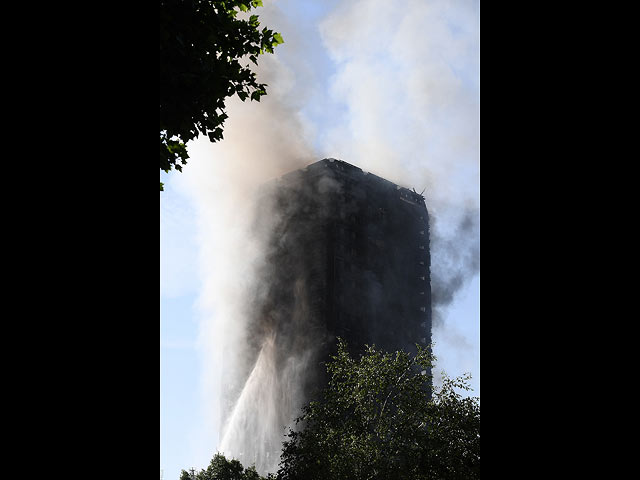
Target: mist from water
262	413
402	102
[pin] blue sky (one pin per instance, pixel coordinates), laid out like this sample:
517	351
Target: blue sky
389	86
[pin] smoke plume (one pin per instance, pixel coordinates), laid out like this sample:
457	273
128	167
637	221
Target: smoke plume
457	260
401	100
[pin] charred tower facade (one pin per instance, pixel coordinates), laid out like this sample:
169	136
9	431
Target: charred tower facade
346	255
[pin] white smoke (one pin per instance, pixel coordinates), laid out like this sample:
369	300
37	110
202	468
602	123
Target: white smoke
403	103
262	141
408	75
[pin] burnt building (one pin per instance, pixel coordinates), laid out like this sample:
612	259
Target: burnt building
346	254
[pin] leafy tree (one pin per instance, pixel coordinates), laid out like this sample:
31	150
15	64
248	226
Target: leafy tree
378	420
222	469
202	45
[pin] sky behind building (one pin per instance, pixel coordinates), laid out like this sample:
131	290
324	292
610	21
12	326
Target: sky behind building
391	87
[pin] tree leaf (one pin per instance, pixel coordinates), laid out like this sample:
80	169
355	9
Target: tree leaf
210	38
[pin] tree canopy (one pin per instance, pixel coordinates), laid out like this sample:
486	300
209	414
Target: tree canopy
379	418
221	468
205	50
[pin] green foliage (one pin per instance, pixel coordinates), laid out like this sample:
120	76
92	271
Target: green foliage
377	420
202	45
452	450
222	469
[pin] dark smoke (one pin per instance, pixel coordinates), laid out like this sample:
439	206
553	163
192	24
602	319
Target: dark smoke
455	259
414	121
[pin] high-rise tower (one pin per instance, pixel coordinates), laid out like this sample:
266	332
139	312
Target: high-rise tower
346	253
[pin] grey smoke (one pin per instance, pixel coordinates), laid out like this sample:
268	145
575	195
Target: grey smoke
400	105
455	257
281	342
